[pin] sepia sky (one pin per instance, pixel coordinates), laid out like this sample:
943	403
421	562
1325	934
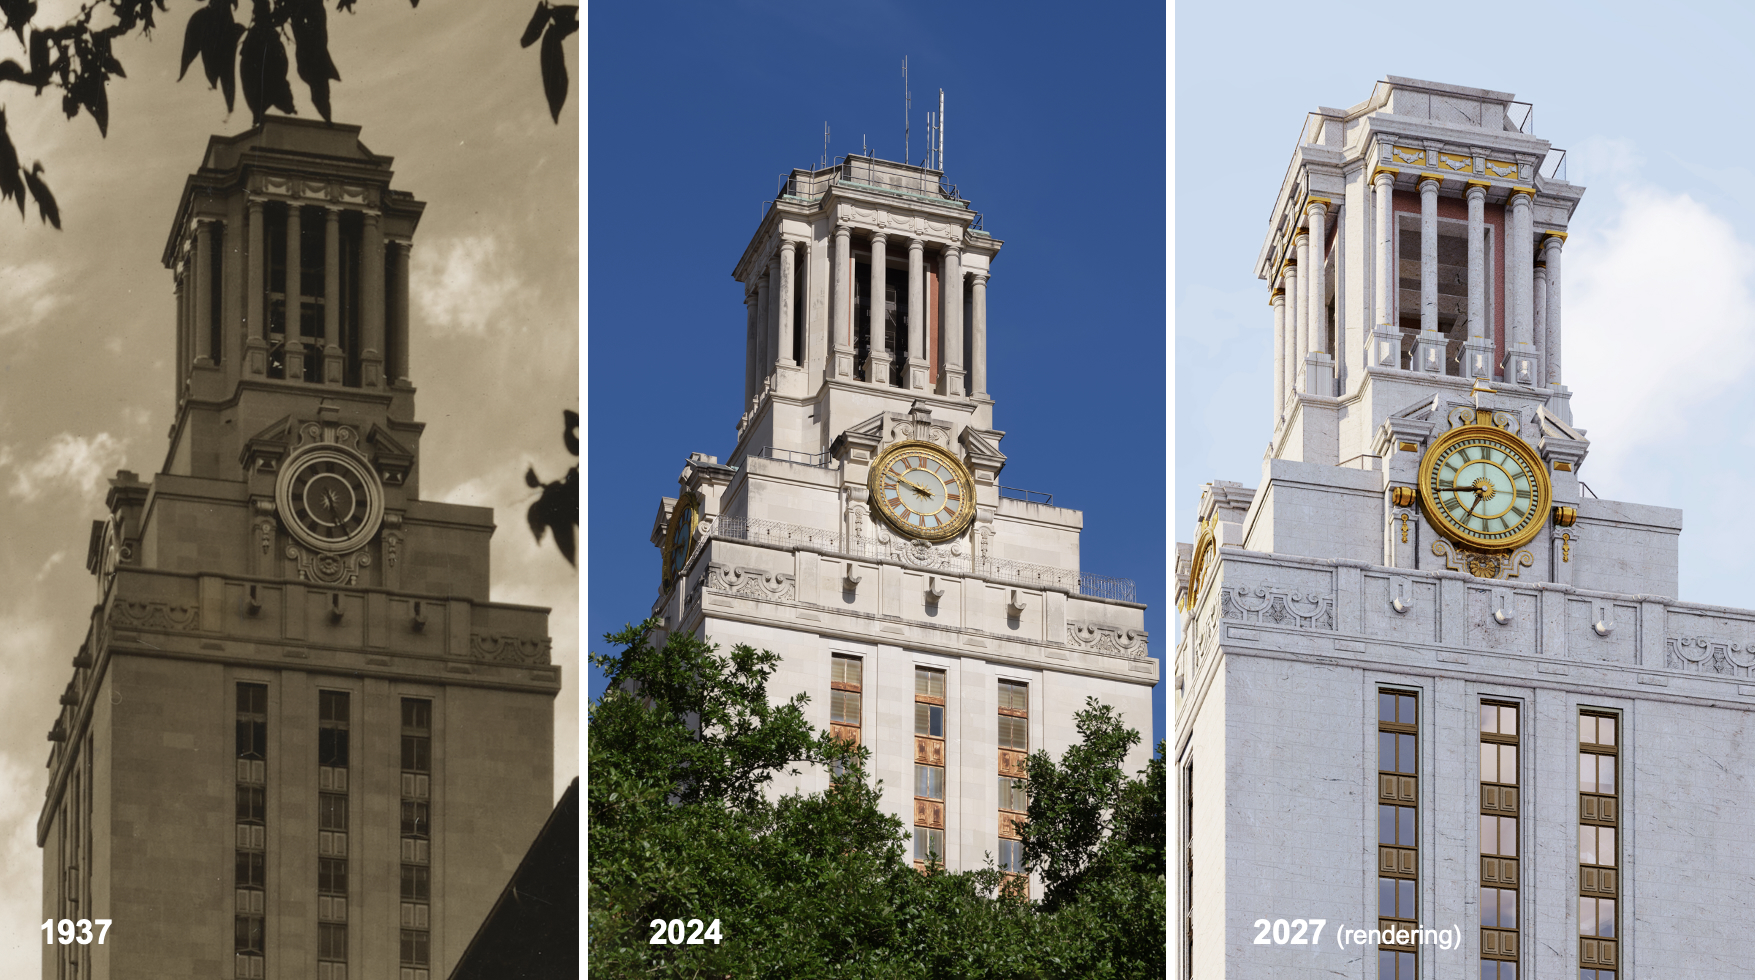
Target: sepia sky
86	319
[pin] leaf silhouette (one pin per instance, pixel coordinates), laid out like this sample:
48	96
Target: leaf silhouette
100	45
317	69
194	38
18	14
39	192
563	21
571	434
214	34
262	59
538	21
11	184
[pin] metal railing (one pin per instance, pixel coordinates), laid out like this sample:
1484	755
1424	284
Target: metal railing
1028	496
783	535
1554	165
794	456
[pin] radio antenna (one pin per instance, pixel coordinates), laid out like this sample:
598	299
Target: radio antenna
940	132
825	162
907	106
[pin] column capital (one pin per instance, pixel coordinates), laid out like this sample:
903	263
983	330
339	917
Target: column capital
978	278
1476	187
1527	193
916	244
1317	204
879	235
1553	239
1300	239
1436	180
1277	297
843	228
1385	173
953	249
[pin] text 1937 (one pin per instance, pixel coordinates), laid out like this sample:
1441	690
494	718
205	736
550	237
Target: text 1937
72	931
673	932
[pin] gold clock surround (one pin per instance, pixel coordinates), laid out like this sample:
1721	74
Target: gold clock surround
1509	444
1204	547
340	469
965	484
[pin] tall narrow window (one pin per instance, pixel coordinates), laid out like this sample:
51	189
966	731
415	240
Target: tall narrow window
332	850
1599	954
252	835
214	276
845	684
1188	870
1014	748
929	766
1398	797
274	300
862	338
417	835
1499	816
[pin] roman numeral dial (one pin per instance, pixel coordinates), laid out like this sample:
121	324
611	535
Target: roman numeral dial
1484	487
923	490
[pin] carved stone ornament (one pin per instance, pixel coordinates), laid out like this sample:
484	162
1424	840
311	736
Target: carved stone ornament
1699	655
1466	415
753	583
328	569
921	554
1270	605
508	648
1482	564
1116	641
155	615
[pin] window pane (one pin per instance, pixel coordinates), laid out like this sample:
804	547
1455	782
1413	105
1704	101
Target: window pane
1606	773
1508	971
1405	753
1386	897
1385	965
1587	845
1385	824
1507	722
1489	718
1587	729
1606	918
1508	764
936	716
1385	706
1405	709
1587	916
1489	835
1386	751
1605	731
1606	846
1404	899
1405	826
1489	762
1507	908
1404	964
1490	908
1508	836
922	719
1587	772
929	782
1489	968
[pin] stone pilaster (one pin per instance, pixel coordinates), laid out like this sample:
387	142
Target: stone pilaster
1429	353
255	293
978	334
1478	349
334	359
372	303
877	362
841	315
1520	354
918	366
1551	248
1386	341
1319	371
951	326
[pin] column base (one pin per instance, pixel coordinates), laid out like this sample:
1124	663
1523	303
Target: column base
1319	375
919	374
1478	361
877	367
841	363
256	356
372	371
789	381
1386	347
333	366
1429	353
951	381
1521	366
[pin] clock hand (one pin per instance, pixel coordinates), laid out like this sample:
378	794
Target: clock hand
917	488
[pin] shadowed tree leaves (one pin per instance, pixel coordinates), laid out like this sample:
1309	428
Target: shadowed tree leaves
11	174
553	24
213	34
39	192
557	509
262	65
311	40
18	14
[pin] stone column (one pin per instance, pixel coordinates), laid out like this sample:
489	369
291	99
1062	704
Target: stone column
951	323
1429	355
293	291
1551	247
841	315
1386	342
877	358
180	364
1539	316
397	369
764	335
1301	338
978	334
1520	357
334	359
788	315
1319	372
1290	382
917	362
1478	354
1277	300
372	304
255	292
750	382
203	298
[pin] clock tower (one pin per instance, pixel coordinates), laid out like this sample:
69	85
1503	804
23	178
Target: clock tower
299	739
1433	695
858	528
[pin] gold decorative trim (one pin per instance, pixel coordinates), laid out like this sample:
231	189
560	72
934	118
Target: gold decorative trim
1402	496
688	506
1408	447
1393	173
1511	445
1325	202
1485	185
1563	466
1435	178
966	484
1554	234
1482	564
1565	516
1204	547
1501	168
1530	191
1456	163
1407	154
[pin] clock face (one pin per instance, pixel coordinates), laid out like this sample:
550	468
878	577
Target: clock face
684	518
329	499
923	491
1484	487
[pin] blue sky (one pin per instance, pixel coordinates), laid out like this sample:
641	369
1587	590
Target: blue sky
1055	132
1660	322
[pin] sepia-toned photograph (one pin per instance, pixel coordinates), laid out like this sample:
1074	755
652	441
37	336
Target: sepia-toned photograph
289	671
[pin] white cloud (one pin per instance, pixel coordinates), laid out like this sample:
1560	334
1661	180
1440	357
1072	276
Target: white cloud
68	462
31	295
49	565
464	283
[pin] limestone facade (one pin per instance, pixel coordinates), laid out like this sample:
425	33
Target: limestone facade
301	856
781	547
1413	264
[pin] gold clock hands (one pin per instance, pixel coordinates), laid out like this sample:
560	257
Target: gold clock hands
917	488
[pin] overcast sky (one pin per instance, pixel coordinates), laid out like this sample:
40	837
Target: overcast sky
86	321
1660	323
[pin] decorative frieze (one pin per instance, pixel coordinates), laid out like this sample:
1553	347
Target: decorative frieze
326	569
155	615
509	648
1703	656
752	583
1273	606
1116	641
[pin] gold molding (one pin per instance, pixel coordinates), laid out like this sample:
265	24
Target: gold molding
1325	202
1449	160
1483	184
1408	155
1511	445
919	447
1554	234
1435	178
1501	168
1393	173
1531	191
1204	547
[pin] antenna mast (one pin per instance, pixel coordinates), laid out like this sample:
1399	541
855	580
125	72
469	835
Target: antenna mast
825	162
907	105
941	131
